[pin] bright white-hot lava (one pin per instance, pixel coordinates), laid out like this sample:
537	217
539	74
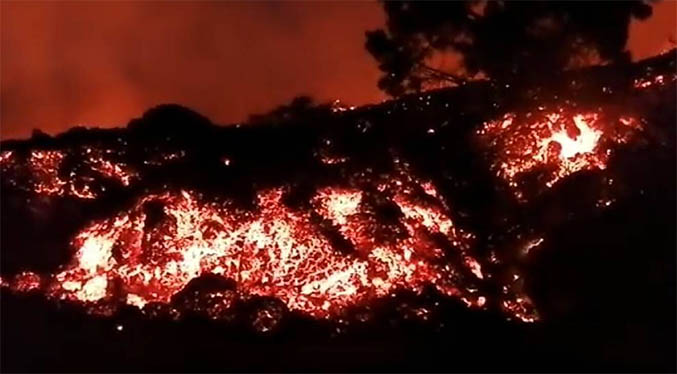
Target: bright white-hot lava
558	143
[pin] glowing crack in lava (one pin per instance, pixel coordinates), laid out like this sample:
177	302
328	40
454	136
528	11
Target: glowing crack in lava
149	253
557	143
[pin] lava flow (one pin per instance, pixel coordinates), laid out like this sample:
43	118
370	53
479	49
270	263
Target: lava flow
45	176
344	226
556	143
149	253
337	253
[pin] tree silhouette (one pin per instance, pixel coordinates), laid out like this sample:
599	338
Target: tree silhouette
504	40
296	109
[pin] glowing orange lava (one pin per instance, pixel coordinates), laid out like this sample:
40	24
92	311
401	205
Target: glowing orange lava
351	243
46	174
149	253
557	143
656	80
108	168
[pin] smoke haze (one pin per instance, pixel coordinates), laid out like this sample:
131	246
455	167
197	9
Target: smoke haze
101	63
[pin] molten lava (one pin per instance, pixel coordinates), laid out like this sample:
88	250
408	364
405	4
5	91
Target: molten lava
654	80
151	252
46	176
361	235
556	144
337	253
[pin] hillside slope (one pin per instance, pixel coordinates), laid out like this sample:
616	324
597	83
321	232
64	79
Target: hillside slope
480	220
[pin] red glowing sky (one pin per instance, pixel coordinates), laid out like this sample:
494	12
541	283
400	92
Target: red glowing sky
100	63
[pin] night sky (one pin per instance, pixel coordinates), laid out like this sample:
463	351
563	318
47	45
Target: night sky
100	64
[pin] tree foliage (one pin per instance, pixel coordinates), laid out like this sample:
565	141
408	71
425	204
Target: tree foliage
296	109
504	40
